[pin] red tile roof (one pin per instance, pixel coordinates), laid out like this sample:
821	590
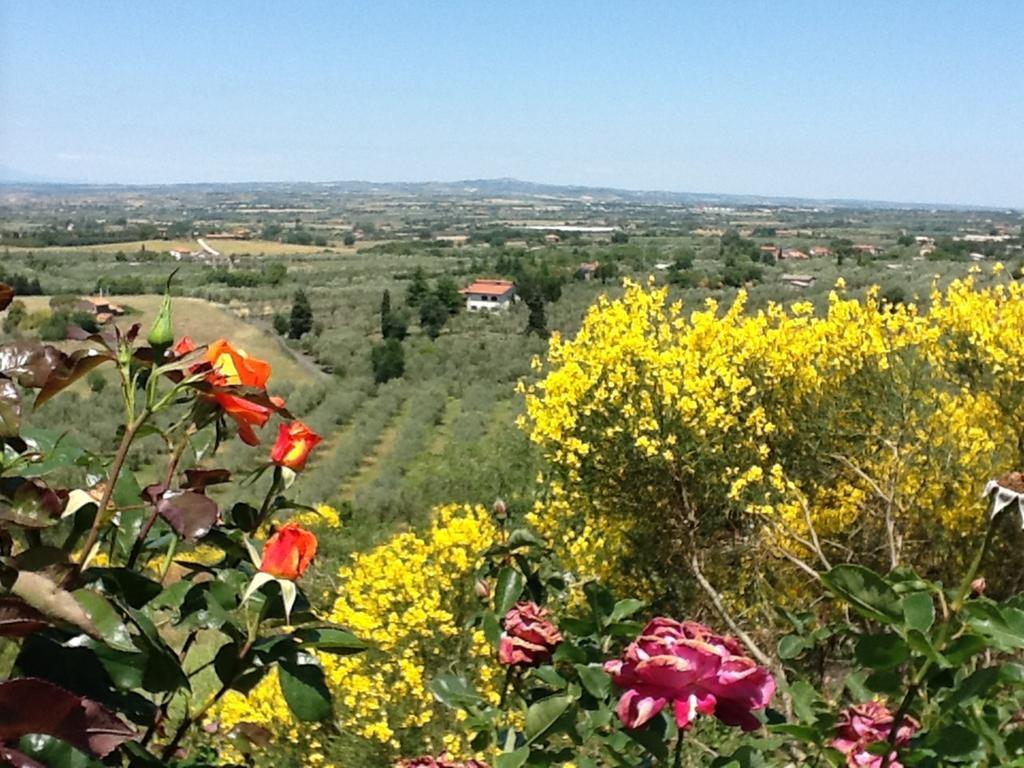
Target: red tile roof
489	287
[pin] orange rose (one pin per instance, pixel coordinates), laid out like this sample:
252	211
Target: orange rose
233	368
295	442
288	552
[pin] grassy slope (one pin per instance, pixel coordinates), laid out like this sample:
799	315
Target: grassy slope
205	322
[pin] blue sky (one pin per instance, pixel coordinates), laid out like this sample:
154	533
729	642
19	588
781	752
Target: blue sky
911	101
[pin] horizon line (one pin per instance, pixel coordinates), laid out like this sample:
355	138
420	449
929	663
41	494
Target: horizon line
7	182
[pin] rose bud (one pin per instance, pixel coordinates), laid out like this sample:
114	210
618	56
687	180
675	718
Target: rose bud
529	638
288	552
978	586
482	589
295	441
161	335
500	510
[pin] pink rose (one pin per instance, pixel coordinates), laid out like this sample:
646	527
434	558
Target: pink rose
529	638
695	670
861	726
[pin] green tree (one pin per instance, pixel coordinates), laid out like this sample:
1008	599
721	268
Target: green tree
15	314
433	315
388	360
448	294
417	289
537	322
281	324
302	316
349	239
385	310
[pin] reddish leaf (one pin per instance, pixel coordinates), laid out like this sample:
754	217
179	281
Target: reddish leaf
32	504
6	296
199	479
18	759
75	366
29	363
10	408
29	705
190	514
18	618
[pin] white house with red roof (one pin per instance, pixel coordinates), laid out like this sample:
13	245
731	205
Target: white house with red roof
489	295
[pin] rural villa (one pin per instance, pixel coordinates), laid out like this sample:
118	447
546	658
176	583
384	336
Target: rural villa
489	294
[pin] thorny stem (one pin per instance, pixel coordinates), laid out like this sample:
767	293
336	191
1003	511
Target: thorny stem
677	759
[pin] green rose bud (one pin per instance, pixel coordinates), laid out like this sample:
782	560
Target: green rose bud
161	335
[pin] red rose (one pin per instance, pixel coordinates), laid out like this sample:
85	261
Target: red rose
288	552
529	638
698	672
232	368
295	441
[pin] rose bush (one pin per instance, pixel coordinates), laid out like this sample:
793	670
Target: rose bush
110	590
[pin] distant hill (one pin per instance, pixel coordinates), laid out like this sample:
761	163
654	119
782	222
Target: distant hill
472	189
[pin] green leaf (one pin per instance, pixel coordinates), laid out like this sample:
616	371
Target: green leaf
1004	627
595	680
331	640
955	740
866	592
918	611
978	683
508	590
569	651
514	759
105	619
791	646
625	608
920	643
134	588
601	601
963	647
883	651
542	715
454	692
56	450
304	688
492	629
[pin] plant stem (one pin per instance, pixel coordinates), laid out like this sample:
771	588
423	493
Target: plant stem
677	759
275	487
108	492
179	451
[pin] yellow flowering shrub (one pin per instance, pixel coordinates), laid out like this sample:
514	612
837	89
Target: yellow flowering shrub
407	598
869	429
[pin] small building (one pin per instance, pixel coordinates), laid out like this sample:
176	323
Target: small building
489	295
552	238
975	256
186	254
799	281
588	269
870	250
793	254
770	252
820	250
